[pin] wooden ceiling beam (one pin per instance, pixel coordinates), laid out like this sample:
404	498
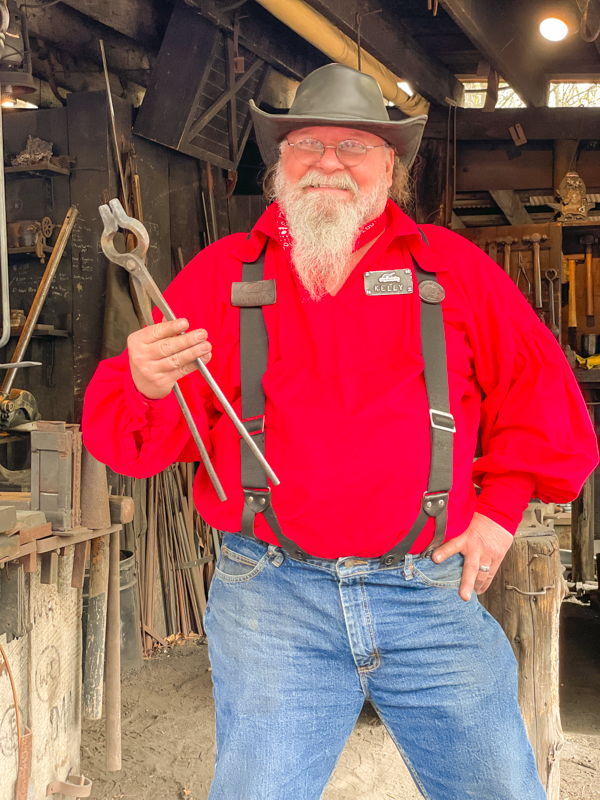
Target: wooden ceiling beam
78	35
144	21
267	37
537	123
495	29
390	41
510	204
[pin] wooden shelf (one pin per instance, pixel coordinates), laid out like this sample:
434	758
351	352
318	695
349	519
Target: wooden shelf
587	375
14	251
41	334
43	169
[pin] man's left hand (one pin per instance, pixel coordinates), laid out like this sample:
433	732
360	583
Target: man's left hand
484	543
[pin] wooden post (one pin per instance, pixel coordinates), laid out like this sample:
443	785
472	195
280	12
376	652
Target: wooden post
93	674
582	533
525	598
113	659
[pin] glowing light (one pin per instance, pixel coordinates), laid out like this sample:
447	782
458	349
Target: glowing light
554	29
406	88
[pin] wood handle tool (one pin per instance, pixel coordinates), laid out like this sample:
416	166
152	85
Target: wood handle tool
589	241
535	240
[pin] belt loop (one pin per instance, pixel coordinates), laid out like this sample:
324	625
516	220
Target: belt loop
408	567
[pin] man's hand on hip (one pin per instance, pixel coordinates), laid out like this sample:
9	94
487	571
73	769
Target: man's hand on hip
483	544
161	354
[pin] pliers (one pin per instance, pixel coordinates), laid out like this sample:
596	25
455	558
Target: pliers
114	217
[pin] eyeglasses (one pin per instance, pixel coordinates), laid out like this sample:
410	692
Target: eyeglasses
350	152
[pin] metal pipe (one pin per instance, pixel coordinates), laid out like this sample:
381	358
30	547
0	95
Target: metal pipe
322	34
40	295
4	288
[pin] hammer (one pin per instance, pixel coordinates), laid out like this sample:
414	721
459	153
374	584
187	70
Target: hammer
535	240
508	242
572	329
589	241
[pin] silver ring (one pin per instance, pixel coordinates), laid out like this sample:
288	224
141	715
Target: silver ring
484	569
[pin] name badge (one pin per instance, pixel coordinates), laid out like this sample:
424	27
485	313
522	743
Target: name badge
387	282
249	294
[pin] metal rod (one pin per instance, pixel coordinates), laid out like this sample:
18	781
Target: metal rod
168	314
114	128
4	288
40	296
113	657
185	409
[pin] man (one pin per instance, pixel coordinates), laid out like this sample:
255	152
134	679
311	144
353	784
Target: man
340	586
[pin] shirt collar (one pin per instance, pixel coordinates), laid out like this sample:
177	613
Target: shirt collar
399	224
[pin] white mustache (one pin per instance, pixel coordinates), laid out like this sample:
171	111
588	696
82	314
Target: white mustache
336	181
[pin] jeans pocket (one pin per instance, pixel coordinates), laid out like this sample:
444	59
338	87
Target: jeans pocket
234	567
446	575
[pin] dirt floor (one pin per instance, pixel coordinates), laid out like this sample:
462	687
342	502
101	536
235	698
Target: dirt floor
168	730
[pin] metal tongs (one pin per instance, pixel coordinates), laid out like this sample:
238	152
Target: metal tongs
114	217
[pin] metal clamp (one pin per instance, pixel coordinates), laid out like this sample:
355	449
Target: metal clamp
450	428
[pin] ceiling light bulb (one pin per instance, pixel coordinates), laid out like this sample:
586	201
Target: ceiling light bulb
8	101
553	29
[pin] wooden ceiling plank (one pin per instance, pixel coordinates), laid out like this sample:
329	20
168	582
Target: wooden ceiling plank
78	35
512	207
537	123
268	38
494	29
143	21
391	42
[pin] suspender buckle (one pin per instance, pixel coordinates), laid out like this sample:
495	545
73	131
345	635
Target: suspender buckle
257	499
442	420
434	503
254	425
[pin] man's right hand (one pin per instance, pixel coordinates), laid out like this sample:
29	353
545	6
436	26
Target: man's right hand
161	354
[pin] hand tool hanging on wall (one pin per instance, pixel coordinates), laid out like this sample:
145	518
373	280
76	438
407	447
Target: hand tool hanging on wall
114	217
535	240
211	200
551	275
523	274
508	242
588	242
17	405
572	329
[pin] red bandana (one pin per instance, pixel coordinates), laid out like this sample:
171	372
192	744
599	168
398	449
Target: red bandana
366	232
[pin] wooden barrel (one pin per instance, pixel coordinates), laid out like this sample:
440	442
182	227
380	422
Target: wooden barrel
525	598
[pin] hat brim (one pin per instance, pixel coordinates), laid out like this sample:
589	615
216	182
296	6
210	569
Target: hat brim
403	135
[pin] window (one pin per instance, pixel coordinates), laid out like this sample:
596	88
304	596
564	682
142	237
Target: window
475	95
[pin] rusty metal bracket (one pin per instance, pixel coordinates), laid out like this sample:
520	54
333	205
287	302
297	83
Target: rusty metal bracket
75	786
530	594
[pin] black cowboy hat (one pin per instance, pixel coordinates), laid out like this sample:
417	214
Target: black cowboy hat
343	97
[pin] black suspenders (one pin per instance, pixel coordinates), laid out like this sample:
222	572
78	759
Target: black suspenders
254	348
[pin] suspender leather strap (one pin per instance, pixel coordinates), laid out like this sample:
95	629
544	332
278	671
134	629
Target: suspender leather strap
254	349
254	352
434	502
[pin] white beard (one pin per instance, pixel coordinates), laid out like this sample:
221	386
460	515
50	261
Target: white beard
324	229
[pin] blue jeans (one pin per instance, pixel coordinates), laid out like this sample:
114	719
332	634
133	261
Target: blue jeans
297	647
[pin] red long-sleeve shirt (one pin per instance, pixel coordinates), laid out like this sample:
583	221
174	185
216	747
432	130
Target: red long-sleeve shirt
347	422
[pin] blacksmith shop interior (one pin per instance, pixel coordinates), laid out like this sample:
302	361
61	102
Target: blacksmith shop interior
143	108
